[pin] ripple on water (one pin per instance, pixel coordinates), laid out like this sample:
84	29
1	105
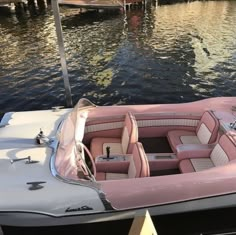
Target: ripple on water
165	54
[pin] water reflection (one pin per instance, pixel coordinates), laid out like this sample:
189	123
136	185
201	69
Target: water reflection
199	38
157	54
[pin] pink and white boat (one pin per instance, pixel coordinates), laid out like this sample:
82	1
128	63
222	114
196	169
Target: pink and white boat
101	163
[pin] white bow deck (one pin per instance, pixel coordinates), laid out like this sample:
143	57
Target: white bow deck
17	140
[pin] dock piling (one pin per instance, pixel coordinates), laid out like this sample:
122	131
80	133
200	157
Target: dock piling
56	13
142	225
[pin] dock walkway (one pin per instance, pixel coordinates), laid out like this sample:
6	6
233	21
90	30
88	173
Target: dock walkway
87	4
2	2
93	3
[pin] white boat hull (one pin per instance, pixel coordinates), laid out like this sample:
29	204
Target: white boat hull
66	199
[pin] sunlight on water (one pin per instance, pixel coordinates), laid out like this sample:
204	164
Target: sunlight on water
158	54
208	29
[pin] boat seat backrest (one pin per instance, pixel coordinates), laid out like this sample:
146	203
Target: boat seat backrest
207	128
223	152
129	133
118	145
139	166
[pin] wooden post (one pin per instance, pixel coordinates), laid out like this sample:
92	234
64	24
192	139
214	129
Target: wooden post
156	3
41	4
31	4
142	225
60	41
124	2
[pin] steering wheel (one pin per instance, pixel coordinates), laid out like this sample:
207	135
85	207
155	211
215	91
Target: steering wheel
81	161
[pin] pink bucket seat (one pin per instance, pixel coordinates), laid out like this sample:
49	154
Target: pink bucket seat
223	152
138	166
122	145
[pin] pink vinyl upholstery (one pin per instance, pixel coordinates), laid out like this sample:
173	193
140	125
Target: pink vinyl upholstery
206	132
221	154
138	166
122	145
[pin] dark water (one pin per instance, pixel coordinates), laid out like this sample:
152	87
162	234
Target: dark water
158	54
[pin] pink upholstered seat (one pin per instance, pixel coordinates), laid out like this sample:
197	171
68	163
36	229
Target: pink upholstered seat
221	154
138	166
122	145
205	133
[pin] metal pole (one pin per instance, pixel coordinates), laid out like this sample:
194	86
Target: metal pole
56	13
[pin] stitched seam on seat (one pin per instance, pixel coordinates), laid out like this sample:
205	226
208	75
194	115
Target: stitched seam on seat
167	122
219	157
125	140
215	129
200	164
203	135
104	127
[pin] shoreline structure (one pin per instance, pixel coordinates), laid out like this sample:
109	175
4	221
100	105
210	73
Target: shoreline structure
24	5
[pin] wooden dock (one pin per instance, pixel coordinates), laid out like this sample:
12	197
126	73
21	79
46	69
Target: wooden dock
93	4
142	225
2	2
86	4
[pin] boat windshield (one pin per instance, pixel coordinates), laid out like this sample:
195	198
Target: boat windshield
73	126
70	152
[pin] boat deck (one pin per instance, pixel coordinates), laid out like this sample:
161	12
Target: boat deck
156	145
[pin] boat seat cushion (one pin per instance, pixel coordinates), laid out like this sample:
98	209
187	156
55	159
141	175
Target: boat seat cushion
189	139
206	132
138	166
110	176
185	166
195	165
177	137
122	145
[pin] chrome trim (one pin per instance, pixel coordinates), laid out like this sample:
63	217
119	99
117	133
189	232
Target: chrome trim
29	160
5	119
54	143
91	184
57	108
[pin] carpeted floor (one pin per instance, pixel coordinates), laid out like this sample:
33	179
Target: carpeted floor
156	145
